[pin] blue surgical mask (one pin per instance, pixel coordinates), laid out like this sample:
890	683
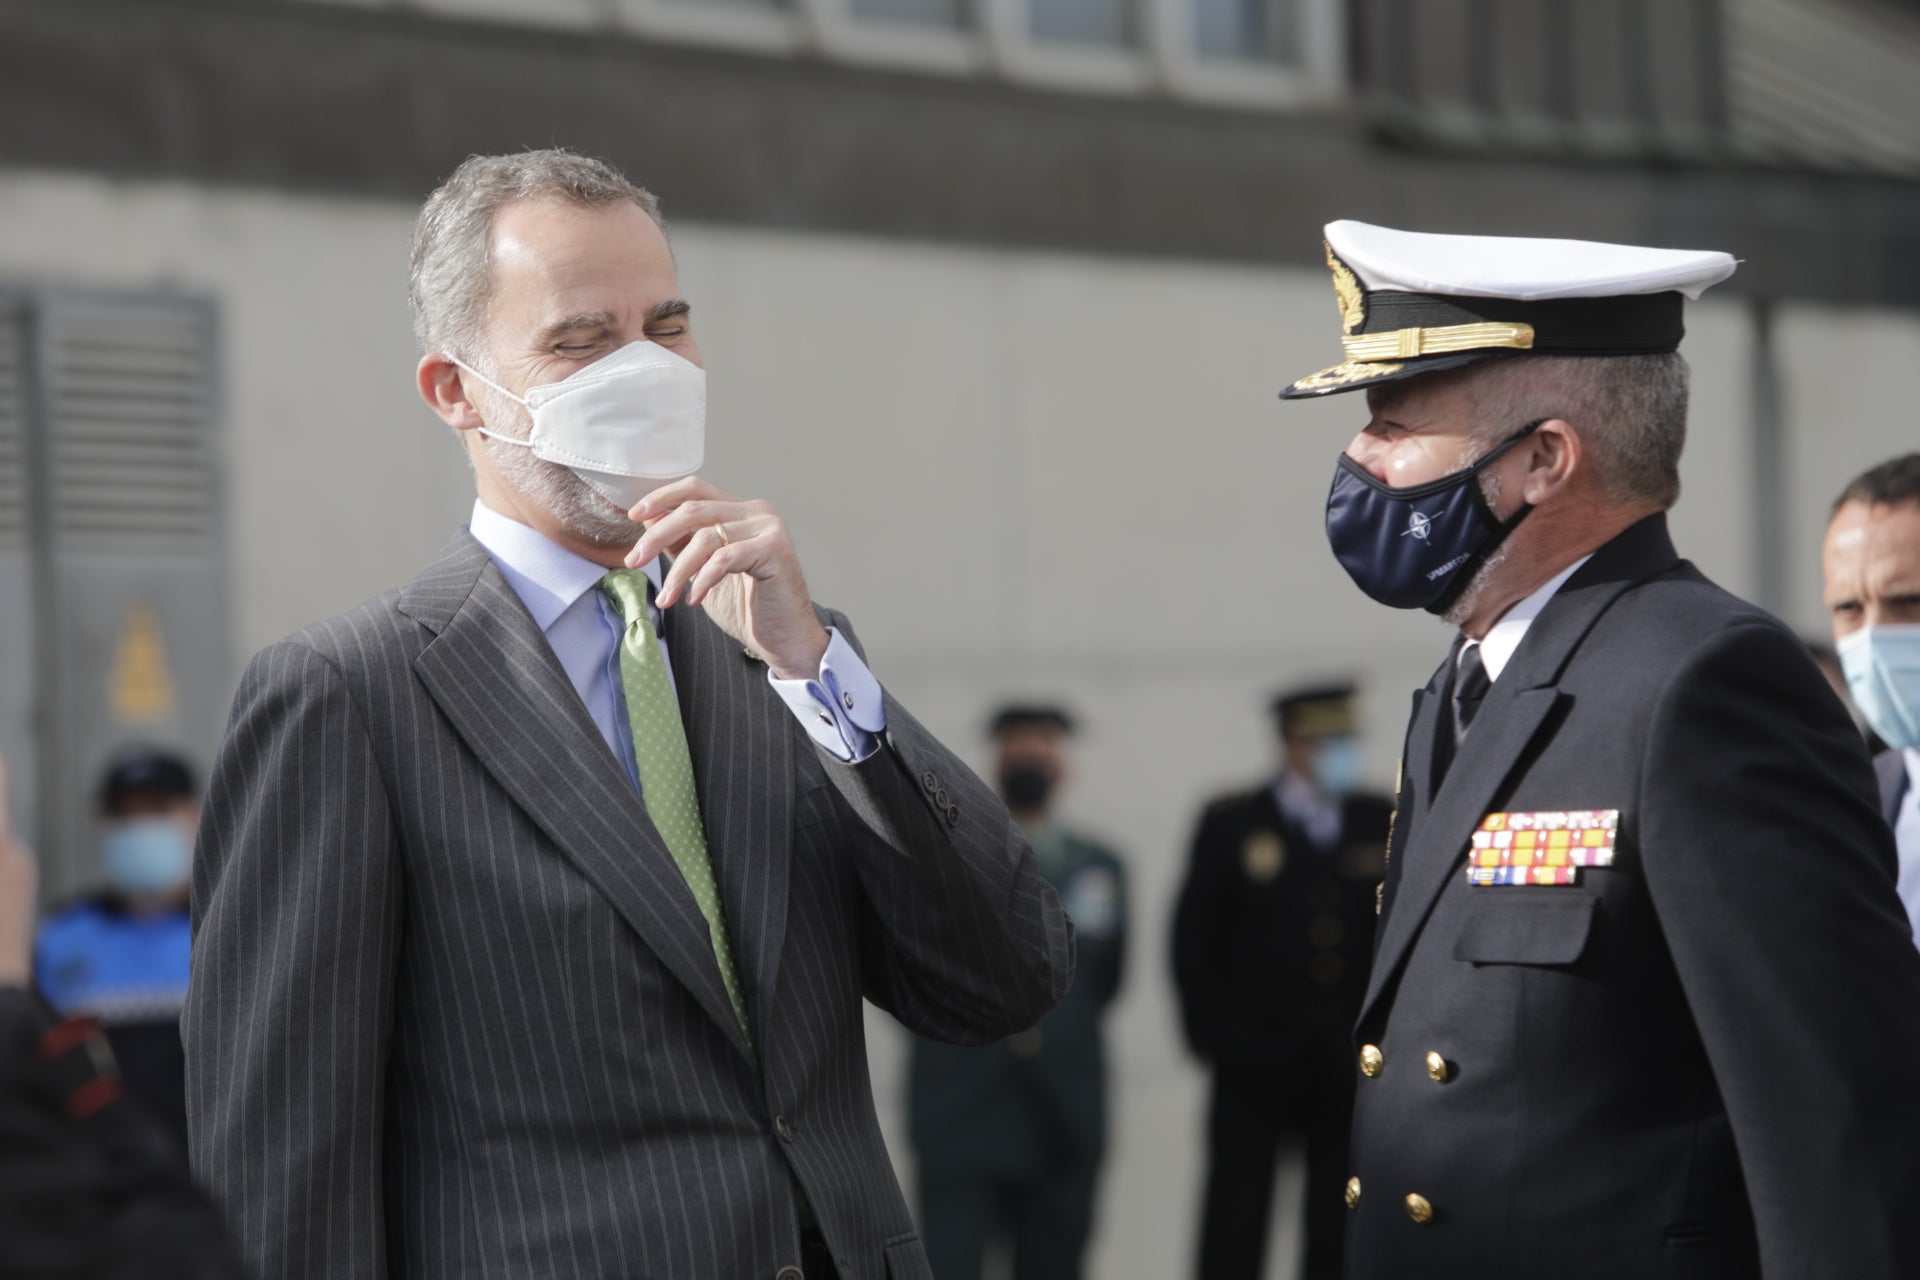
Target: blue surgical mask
1882	665
1337	763
1417	547
146	857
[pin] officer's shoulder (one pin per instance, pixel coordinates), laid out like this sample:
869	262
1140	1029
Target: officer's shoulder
1369	804
1235	804
73	918
1092	848
1682	613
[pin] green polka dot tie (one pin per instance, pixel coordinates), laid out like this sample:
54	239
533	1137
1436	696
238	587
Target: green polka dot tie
666	768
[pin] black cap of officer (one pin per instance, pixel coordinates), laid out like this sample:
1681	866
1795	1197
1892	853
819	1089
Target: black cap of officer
1022	715
146	771
1315	711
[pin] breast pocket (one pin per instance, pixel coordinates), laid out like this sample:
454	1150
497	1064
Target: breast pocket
1526	926
907	1259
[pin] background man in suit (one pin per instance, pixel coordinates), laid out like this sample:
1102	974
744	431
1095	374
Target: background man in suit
1270	945
1871	558
1643	997
535	901
1008	1139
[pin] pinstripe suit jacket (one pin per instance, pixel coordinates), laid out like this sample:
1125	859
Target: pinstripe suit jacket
454	1011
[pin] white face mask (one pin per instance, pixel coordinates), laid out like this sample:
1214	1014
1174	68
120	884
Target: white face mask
623	424
1882	665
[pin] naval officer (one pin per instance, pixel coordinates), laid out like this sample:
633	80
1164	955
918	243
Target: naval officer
1642	1001
1270	944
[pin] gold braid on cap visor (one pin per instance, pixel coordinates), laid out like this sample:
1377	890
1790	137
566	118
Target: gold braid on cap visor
1406	344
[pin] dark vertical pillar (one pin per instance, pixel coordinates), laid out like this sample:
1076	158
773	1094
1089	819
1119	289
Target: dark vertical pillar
1769	473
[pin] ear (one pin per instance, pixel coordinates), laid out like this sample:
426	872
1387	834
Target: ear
445	392
1552	456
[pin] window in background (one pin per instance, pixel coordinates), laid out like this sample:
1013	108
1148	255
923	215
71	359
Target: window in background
947	14
1102	23
1248	30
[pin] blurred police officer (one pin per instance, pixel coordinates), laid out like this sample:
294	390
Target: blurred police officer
1009	1138
91	1188
1643	1001
1872	562
120	953
1270	948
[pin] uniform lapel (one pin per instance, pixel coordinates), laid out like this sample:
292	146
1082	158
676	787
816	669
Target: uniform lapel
496	679
1415	794
1520	703
742	741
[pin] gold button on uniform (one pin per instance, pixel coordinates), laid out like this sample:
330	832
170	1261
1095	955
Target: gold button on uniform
1418	1209
1353	1193
1371	1060
1437	1067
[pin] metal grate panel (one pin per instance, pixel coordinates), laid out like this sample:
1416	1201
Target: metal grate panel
13	429
129	395
1826	83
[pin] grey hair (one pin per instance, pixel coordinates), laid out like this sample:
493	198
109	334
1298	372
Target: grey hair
450	281
1630	413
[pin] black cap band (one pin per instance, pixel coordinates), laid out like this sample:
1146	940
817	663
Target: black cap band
1631	325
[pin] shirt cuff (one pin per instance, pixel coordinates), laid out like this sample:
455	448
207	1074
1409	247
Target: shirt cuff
844	709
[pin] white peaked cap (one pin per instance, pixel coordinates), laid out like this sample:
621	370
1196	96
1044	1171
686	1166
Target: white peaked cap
1516	267
1414	303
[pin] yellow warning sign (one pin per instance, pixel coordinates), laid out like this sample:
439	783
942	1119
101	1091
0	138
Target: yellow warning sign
142	684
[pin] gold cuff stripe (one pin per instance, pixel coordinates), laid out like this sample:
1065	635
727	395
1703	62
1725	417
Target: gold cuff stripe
1405	344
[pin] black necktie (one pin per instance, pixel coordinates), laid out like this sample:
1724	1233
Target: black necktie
1470	686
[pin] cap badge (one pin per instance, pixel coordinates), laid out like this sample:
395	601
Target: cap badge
1353	302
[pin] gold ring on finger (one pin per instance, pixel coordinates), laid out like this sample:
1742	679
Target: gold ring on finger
721	529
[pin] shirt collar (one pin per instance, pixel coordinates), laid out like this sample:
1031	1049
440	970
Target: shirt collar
547	577
1497	649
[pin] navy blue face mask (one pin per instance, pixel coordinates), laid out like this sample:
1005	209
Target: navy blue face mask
1416	548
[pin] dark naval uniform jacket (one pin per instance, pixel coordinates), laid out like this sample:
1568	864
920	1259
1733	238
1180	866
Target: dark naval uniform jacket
1697	1061
1038	1100
1272	935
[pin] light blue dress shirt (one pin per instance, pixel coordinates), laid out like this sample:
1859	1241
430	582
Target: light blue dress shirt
842	709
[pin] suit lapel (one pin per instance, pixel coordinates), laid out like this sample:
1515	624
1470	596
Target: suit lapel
496	679
742	741
1520	703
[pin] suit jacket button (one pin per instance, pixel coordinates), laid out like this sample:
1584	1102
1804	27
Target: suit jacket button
1372	1061
1419	1210
941	799
781	1127
931	783
1437	1067
789	1273
953	815
1353	1193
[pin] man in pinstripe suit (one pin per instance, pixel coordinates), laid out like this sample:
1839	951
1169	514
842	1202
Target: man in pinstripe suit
472	995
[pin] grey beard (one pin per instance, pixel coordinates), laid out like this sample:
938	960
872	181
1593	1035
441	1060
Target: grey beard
1470	596
571	501
1469	599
